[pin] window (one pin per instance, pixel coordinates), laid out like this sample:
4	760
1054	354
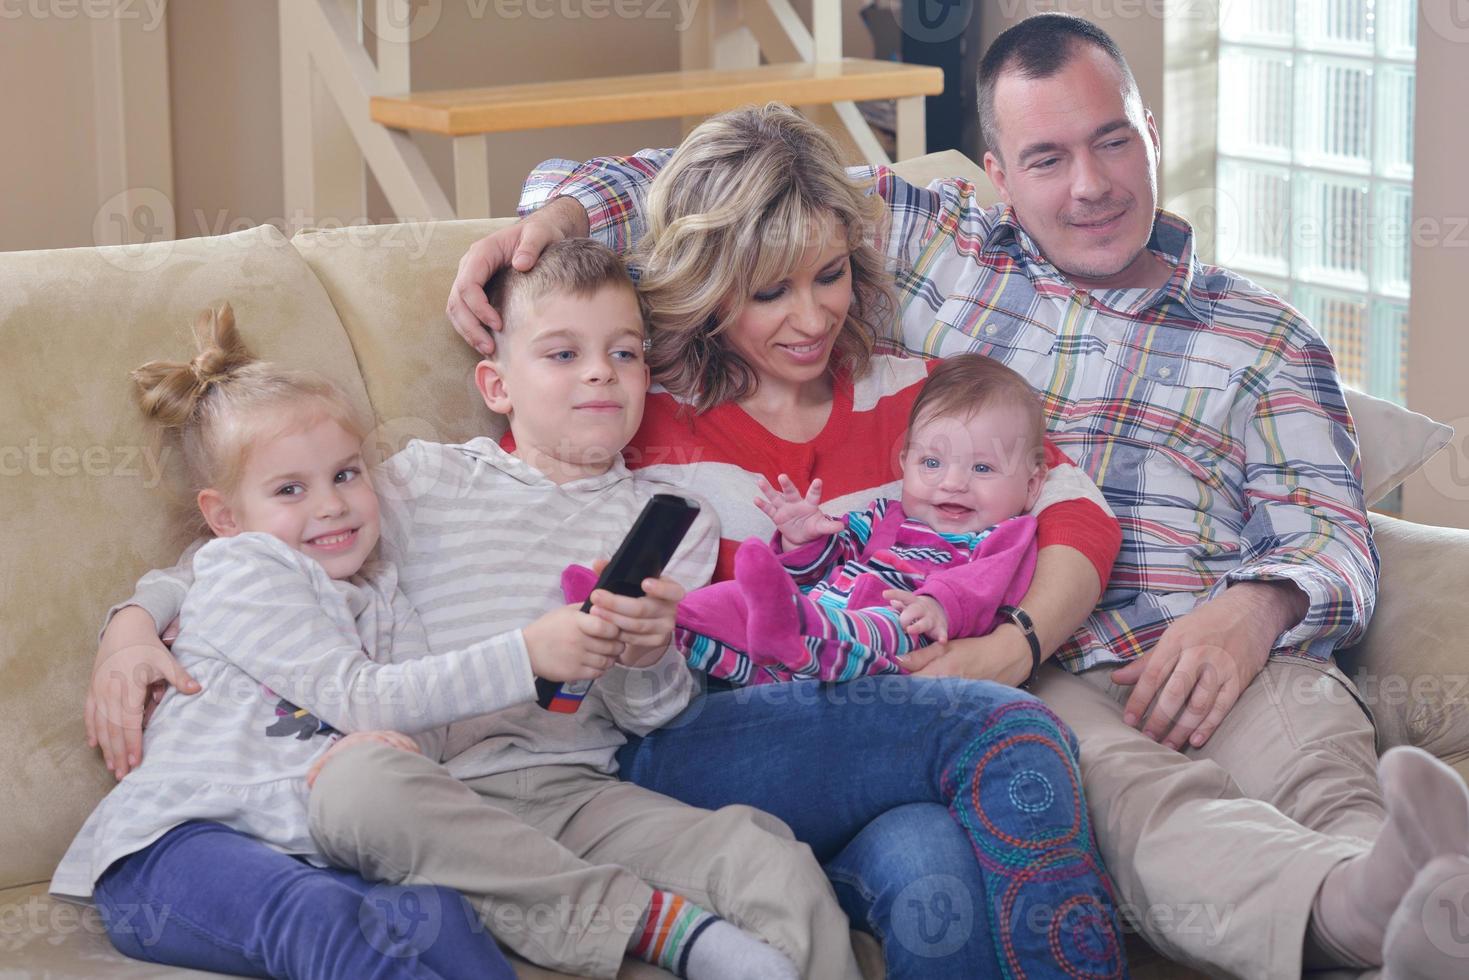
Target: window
1315	169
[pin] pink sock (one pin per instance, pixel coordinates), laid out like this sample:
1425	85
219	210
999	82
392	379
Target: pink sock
773	631
577	582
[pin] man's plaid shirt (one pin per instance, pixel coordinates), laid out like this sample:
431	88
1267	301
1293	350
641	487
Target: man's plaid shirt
1208	411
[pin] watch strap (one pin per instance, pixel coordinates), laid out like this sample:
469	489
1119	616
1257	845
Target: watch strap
1026	625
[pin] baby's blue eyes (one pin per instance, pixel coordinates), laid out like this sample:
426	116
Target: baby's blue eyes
930	463
348	475
290	490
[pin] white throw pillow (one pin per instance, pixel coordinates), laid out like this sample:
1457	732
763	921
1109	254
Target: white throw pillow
1394	442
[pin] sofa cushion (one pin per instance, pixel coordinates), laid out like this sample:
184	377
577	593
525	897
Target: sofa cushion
388	284
1395	443
89	500
1412	667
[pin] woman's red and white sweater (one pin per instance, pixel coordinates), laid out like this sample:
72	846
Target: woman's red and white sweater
718	456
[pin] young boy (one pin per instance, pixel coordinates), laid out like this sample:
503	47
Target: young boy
568	866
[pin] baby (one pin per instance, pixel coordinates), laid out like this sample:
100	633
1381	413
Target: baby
838	598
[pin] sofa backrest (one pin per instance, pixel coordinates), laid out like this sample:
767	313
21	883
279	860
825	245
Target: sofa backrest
87	496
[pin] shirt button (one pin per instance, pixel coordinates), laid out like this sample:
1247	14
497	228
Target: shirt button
1164	372
990	329
1084	298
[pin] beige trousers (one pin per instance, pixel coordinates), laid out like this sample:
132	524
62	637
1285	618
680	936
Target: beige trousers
560	861
1218	852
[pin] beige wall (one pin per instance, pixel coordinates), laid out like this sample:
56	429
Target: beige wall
48	170
1438	343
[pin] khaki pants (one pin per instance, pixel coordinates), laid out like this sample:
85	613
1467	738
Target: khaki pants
1218	852
559	860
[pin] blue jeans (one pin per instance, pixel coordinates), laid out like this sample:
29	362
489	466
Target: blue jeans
211	898
1008	883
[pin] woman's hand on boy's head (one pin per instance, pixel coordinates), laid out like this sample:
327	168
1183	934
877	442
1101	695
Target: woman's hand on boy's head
645	624
131	668
519	245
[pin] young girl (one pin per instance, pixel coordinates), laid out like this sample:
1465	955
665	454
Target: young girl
202	857
836	599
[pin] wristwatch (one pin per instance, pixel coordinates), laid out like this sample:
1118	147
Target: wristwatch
1022	619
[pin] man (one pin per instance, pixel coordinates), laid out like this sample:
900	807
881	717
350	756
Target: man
1229	767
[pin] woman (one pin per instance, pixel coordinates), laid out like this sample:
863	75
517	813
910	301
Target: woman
768	304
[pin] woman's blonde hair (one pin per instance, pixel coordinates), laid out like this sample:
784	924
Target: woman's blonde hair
219	403
745	195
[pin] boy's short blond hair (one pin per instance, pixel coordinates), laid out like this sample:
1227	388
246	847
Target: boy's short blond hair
574	266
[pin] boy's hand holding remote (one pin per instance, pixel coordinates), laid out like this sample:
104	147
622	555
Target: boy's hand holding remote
799	519
567	644
645	624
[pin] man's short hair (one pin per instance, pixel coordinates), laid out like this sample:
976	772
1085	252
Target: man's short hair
573	266
1039	47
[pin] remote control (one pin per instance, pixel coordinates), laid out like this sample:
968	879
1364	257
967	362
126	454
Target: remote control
648	547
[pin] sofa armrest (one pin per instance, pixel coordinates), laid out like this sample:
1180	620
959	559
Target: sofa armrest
1412	667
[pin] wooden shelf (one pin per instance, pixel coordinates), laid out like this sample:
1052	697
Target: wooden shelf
665	95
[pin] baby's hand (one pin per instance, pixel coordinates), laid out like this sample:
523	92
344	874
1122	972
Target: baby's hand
920	614
567	644
644	624
798	519
393	739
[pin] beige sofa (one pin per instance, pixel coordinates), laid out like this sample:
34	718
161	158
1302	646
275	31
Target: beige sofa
87	503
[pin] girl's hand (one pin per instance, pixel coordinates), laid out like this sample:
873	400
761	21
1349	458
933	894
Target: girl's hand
567	644
919	614
392	739
645	625
132	669
799	520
